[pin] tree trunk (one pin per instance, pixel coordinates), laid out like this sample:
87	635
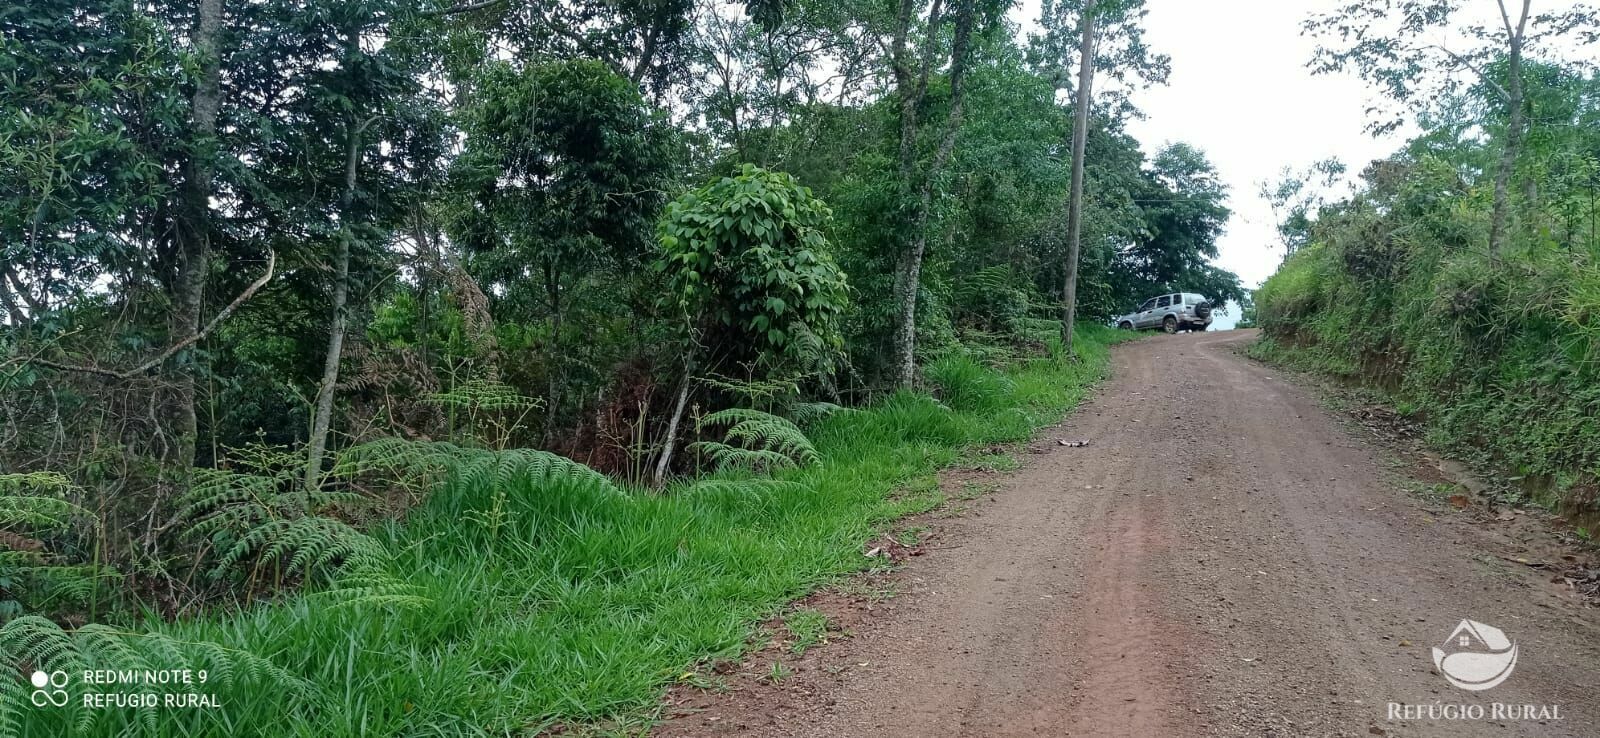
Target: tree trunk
907	280
908	273
18	317
664	463
1080	137
318	445
192	226
1513	146
554	363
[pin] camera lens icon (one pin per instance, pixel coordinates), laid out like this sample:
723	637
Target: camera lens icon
48	689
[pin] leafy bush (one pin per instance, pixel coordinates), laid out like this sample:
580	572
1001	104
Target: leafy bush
34	509
749	253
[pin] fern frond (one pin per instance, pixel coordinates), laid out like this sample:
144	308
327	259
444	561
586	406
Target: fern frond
809	412
371	589
726	457
36	483
37	500
395	458
754	391
762	437
481	394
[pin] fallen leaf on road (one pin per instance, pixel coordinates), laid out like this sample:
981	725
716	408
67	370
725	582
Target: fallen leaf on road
1460	501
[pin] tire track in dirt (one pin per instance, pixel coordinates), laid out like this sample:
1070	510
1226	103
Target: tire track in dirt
1223	559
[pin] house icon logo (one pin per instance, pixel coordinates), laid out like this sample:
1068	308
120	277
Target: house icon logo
1476	656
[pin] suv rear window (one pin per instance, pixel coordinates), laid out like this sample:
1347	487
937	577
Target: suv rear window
1164	301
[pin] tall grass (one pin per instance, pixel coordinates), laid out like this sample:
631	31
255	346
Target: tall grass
580	604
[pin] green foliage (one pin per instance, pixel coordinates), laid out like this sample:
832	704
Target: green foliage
499	178
484	411
37	501
1494	355
756	440
265	517
749	253
965	384
587	601
562	173
33	578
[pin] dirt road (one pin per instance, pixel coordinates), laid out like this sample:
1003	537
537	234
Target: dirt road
1225	558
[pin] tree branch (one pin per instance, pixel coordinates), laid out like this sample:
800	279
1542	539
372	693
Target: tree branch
1482	75
21	289
272	261
1505	17
459	9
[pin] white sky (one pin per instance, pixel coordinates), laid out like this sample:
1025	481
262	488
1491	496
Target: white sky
1240	91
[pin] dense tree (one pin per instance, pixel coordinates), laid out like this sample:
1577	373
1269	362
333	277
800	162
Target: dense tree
750	278
1394	45
1108	35
913	65
563	172
247	238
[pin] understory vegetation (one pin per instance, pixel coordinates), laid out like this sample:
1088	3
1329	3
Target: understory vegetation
1490	339
537	591
458	368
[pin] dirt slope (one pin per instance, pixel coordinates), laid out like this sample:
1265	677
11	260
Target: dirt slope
1225	558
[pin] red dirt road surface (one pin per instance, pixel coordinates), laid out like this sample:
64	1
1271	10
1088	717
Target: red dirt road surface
1225	558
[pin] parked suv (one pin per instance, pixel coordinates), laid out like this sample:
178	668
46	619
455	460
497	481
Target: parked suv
1181	311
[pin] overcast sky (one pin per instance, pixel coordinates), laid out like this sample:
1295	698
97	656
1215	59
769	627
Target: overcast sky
1241	92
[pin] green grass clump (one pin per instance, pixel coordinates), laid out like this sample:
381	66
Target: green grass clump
807	627
964	384
545	599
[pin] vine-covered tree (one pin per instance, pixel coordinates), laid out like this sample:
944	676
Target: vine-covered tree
750	277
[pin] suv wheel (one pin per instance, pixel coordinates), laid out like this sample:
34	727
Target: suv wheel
1169	324
1125	325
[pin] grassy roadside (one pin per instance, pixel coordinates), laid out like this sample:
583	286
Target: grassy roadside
565	601
1504	444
